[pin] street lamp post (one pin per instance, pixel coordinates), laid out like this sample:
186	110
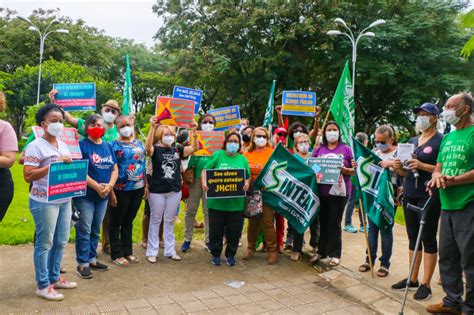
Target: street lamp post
354	41
43	35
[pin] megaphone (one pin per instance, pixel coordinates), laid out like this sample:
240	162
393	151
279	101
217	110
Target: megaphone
165	114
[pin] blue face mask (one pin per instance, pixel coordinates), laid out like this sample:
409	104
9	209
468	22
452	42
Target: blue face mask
232	147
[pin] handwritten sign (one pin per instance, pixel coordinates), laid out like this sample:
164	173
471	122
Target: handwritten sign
327	169
226	117
75	96
298	103
69	137
67	180
209	142
175	112
225	183
185	93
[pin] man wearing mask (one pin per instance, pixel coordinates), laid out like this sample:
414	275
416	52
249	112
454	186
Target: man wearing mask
454	177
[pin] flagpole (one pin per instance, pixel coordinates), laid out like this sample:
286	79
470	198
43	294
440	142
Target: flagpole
325	120
364	225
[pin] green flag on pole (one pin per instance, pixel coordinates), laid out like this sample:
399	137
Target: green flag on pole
268	120
127	90
342	106
375	187
289	187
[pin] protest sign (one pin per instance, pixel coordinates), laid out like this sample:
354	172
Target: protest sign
327	169
298	103
175	112
226	117
209	142
69	137
66	180
225	183
75	96
405	151
185	93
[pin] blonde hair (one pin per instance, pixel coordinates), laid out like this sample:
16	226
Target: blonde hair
295	140
252	144
3	102
158	136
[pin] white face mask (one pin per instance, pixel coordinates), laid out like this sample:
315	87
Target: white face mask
303	147
207	127
126	131
422	123
332	136
55	129
260	142
450	117
108	117
168	140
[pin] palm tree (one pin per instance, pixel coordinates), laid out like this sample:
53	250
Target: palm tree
467	21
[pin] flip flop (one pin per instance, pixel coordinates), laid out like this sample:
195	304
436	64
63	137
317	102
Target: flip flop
334	262
122	262
132	259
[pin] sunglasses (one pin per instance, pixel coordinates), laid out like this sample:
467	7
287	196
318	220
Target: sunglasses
380	142
111	110
208	123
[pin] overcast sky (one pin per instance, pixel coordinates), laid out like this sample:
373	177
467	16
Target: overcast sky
132	19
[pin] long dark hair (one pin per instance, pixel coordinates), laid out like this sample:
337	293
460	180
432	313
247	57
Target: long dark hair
331	122
204	116
295	125
227	137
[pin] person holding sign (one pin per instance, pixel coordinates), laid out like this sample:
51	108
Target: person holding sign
166	184
226	215
52	219
101	177
257	156
333	197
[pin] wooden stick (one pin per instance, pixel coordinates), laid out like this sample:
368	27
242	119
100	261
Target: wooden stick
361	209
325	120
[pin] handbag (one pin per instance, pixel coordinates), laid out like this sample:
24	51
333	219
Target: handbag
254	204
188	175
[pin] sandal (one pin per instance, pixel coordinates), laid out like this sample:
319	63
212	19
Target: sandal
132	259
333	262
295	256
122	262
315	258
382	272
364	267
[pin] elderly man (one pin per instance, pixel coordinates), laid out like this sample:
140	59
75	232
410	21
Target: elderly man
454	177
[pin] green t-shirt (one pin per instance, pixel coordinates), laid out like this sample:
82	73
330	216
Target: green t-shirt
198	162
110	135
221	161
457	157
31	137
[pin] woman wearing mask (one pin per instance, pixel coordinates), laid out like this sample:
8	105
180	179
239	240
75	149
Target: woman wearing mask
333	197
424	161
226	215
130	189
101	177
52	219
386	150
165	187
257	156
246	137
197	163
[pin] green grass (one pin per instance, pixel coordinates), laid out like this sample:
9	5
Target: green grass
400	216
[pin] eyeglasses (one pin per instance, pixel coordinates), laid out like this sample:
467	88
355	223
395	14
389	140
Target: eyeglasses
110	110
303	142
208	123
380	142
261	136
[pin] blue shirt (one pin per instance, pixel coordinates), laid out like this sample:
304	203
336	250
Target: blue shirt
101	159
131	164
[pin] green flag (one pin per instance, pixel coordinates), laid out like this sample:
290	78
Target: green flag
342	106
289	188
127	90
375	187
268	120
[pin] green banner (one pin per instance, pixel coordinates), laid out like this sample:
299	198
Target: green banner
127	89
268	119
289	187
375	188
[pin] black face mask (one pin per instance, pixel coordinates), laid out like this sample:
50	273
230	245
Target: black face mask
246	138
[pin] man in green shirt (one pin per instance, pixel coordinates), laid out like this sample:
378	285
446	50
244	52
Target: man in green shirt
454	177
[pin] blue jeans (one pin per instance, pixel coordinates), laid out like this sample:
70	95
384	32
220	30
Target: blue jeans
351	203
52	226
387	245
88	229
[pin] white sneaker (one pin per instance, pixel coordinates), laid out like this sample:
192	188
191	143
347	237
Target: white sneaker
151	259
175	257
64	284
50	294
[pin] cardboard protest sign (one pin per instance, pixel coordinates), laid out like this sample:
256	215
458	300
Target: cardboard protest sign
209	142
75	96
327	169
225	183
66	180
298	103
226	117
185	93
69	137
175	112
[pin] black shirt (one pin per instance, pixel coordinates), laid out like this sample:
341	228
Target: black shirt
166	175
427	153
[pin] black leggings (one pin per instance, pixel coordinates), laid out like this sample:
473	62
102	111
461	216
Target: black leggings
330	217
412	221
6	191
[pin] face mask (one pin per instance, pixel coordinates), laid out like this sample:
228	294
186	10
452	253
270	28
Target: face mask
260	142
207	127
55	129
382	147
168	140
126	131
332	136
232	147
422	123
303	147
450	117
108	117
246	138
96	132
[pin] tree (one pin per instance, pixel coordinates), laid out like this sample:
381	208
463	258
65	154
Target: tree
467	21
